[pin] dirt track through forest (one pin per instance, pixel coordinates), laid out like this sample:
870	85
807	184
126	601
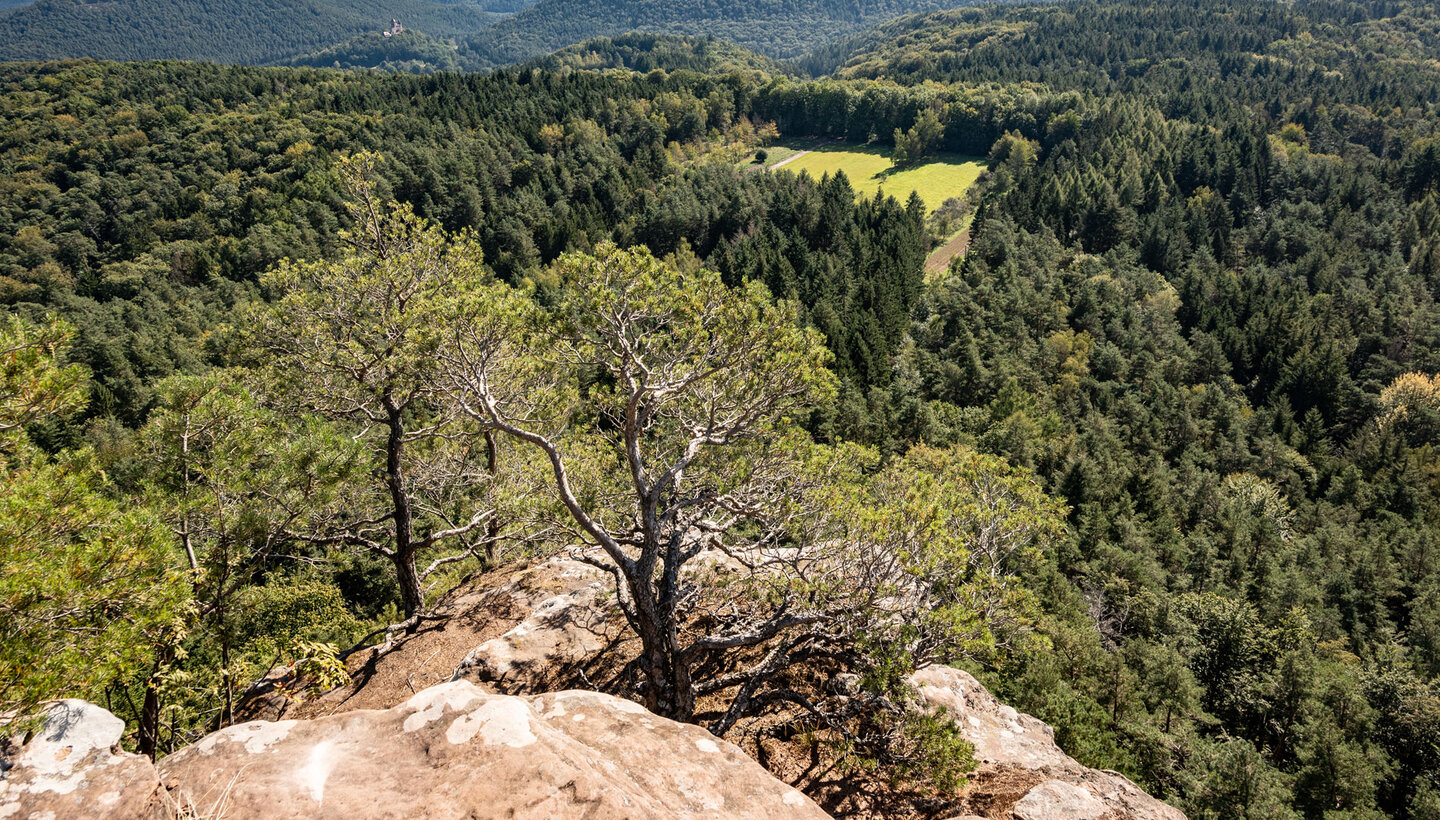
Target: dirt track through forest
940	258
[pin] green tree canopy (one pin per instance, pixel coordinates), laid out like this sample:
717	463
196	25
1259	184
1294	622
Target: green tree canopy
87	581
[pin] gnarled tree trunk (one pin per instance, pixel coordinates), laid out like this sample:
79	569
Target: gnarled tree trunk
412	597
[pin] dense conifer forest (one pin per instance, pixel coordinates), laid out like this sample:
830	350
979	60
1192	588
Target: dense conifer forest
782	30
1198	311
226	31
477	33
644	53
408	51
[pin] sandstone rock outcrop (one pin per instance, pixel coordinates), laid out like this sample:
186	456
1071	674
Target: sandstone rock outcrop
539	628
1023	774
1058	800
558	618
73	767
562	630
455	751
485	744
451	751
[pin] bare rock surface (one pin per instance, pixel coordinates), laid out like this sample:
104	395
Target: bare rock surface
487	744
455	751
560	633
1023	774
497	611
451	751
1058	800
73	767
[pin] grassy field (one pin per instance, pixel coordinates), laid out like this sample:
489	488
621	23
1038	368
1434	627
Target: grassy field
936	179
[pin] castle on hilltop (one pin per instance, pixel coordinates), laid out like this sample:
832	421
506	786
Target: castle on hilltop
395	28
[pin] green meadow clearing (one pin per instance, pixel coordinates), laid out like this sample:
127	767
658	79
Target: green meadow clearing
937	179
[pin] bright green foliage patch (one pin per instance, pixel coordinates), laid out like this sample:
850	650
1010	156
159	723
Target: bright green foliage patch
870	171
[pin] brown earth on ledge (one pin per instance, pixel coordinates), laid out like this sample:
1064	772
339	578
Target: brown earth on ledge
494	617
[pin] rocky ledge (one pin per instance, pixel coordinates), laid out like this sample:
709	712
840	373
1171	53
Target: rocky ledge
458	749
1023	774
451	751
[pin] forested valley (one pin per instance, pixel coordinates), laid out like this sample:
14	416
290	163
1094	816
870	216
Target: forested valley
1194	339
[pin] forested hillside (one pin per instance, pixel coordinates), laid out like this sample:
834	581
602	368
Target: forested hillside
325	33
771	27
1196	305
1212	59
408	52
189	181
1198	312
226	31
670	52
